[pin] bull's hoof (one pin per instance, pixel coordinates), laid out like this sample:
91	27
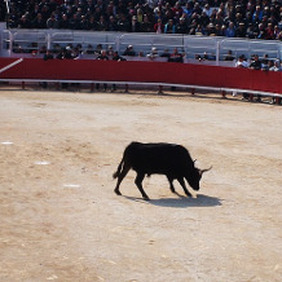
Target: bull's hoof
146	198
118	192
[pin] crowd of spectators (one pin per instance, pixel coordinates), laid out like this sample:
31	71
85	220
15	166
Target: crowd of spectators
232	18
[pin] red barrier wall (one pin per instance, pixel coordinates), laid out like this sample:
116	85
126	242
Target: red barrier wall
133	71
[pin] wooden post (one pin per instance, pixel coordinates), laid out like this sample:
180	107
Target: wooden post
160	92
92	87
126	88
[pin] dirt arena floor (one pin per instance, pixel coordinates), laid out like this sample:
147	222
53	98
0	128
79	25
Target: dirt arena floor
61	221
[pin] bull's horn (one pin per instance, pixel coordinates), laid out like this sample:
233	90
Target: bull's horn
205	170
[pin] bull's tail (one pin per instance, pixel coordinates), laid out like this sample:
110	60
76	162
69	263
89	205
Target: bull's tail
120	166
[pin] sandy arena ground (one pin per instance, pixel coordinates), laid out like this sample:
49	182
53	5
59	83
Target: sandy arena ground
61	221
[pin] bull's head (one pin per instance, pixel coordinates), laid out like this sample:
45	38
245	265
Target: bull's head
195	177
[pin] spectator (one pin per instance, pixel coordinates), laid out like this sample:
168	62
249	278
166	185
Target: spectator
159	27
129	51
64	22
256	63
269	31
102	57
241	30
169	27
230	31
118	58
176	57
102	24
181	27
262	21
123	24
69	53
112	25
265	62
98	49
135	26
165	54
276	66
229	56
38	22
89	50
146	25
48	55
153	54
52	22
242	62
24	22
207	10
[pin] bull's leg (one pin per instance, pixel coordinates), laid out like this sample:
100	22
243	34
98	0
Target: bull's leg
170	180
182	183
121	176
138	181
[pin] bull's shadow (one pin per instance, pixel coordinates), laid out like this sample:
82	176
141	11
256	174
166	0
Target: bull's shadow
182	201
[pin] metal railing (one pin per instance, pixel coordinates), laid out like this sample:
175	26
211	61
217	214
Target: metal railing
26	43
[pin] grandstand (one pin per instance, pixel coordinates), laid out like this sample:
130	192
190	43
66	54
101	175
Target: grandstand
204	48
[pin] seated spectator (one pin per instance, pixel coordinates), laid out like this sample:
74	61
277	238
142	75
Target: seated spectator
112	25
52	22
159	27
129	51
165	54
123	24
24	22
118	58
64	22
169	27
276	66
98	49
264	62
146	25
241	30
102	24
152	15
255	63
69	53
48	55
102	57
153	54
230	31
176	57
229	56
135	26
242	62
181	27
89	50
38	22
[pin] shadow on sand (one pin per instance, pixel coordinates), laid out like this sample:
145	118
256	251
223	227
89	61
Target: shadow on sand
182	202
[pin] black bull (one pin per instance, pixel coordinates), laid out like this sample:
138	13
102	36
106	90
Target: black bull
172	160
